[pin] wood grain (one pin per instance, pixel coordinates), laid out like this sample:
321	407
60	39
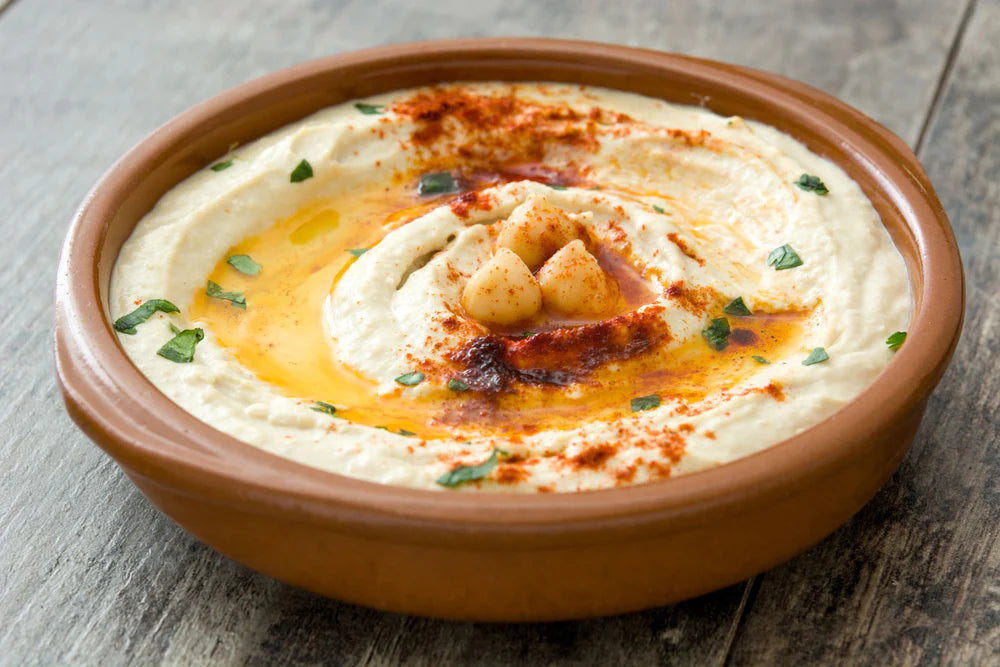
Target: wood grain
90	573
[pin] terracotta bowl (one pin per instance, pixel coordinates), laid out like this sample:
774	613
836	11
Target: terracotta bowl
492	556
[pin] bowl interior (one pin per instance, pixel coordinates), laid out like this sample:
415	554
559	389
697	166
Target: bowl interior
886	170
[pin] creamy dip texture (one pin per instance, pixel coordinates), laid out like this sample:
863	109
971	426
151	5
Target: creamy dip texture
530	287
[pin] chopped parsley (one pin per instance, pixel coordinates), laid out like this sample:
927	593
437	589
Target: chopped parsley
410	379
717	333
222	166
811	183
645	402
369	109
737	307
784	257
436	183
557	187
817	356
760	360
463	473
303	170
896	340
658	209
357	252
180	348
325	408
244	264
457	385
126	323
401	431
215	291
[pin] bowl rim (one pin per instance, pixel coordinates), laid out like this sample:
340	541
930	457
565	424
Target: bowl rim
174	449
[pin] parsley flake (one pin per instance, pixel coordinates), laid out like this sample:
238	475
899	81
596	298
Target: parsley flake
325	408
244	264
126	323
410	379
408	434
737	307
457	385
463	473
369	109
896	340
817	356
557	187
357	252
645	402
760	360
658	209
811	183
180	348
436	183
215	291
717	333
222	166
784	257
303	170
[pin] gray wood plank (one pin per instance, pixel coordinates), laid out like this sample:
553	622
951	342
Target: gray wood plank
90	573
915	577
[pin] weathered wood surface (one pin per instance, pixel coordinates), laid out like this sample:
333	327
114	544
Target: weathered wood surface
90	573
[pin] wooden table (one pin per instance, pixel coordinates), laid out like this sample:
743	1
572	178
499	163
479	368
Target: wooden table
91	573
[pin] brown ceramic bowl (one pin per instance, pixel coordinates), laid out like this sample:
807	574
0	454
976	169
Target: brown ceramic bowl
487	556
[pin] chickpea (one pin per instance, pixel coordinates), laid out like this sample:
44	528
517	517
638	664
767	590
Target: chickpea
574	284
502	291
536	229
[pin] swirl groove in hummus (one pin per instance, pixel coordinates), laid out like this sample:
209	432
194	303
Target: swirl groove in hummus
362	284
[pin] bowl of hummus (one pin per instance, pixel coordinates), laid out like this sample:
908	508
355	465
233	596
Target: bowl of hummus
387	324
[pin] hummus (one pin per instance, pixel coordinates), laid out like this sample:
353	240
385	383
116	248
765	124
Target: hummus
344	293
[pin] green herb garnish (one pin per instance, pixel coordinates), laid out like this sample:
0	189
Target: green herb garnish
436	183
410	379
357	252
325	408
760	360
658	209
737	307
302	171
244	264
215	291
222	166
457	385
784	257
463	473
895	341
369	109
126	323
180	348
811	183
817	356
408	434
557	187
717	333
645	402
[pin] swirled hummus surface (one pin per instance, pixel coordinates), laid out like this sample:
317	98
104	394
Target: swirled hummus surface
530	287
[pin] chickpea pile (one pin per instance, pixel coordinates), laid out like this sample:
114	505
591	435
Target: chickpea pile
541	262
